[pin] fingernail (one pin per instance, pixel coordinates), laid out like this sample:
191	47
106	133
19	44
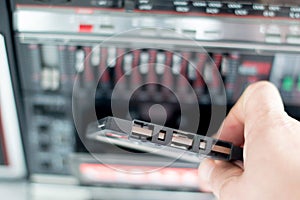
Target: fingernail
206	168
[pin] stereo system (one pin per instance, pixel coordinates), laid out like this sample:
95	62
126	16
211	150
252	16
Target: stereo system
219	47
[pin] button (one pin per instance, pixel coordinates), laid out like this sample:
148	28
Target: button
293	39
199	4
212	10
85	28
145	7
295	9
181	3
182	9
273	38
234	5
258	7
287	83
215	4
241	12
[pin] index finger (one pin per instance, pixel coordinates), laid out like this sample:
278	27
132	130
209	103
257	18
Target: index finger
257	100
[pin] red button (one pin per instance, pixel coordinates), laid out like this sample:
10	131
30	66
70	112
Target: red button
85	28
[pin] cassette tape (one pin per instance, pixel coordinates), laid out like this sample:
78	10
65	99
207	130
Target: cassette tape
157	139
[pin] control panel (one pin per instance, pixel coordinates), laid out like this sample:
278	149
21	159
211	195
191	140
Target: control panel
152	52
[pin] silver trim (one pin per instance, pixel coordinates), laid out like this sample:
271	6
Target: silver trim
52	191
130	41
12	136
67	21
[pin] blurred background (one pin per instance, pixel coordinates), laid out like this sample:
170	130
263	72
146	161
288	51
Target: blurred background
61	61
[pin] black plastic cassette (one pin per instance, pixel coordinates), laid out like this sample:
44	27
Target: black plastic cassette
162	140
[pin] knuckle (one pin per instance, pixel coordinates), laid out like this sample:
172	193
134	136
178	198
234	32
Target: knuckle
262	99
257	93
260	86
226	189
224	181
273	120
265	124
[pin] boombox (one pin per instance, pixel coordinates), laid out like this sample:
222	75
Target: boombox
77	61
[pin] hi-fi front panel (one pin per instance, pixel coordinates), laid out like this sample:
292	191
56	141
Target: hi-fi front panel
58	43
54	68
51	70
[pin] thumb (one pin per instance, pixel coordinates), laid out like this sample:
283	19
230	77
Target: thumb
219	177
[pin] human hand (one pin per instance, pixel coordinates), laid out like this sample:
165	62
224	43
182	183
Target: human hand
271	141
